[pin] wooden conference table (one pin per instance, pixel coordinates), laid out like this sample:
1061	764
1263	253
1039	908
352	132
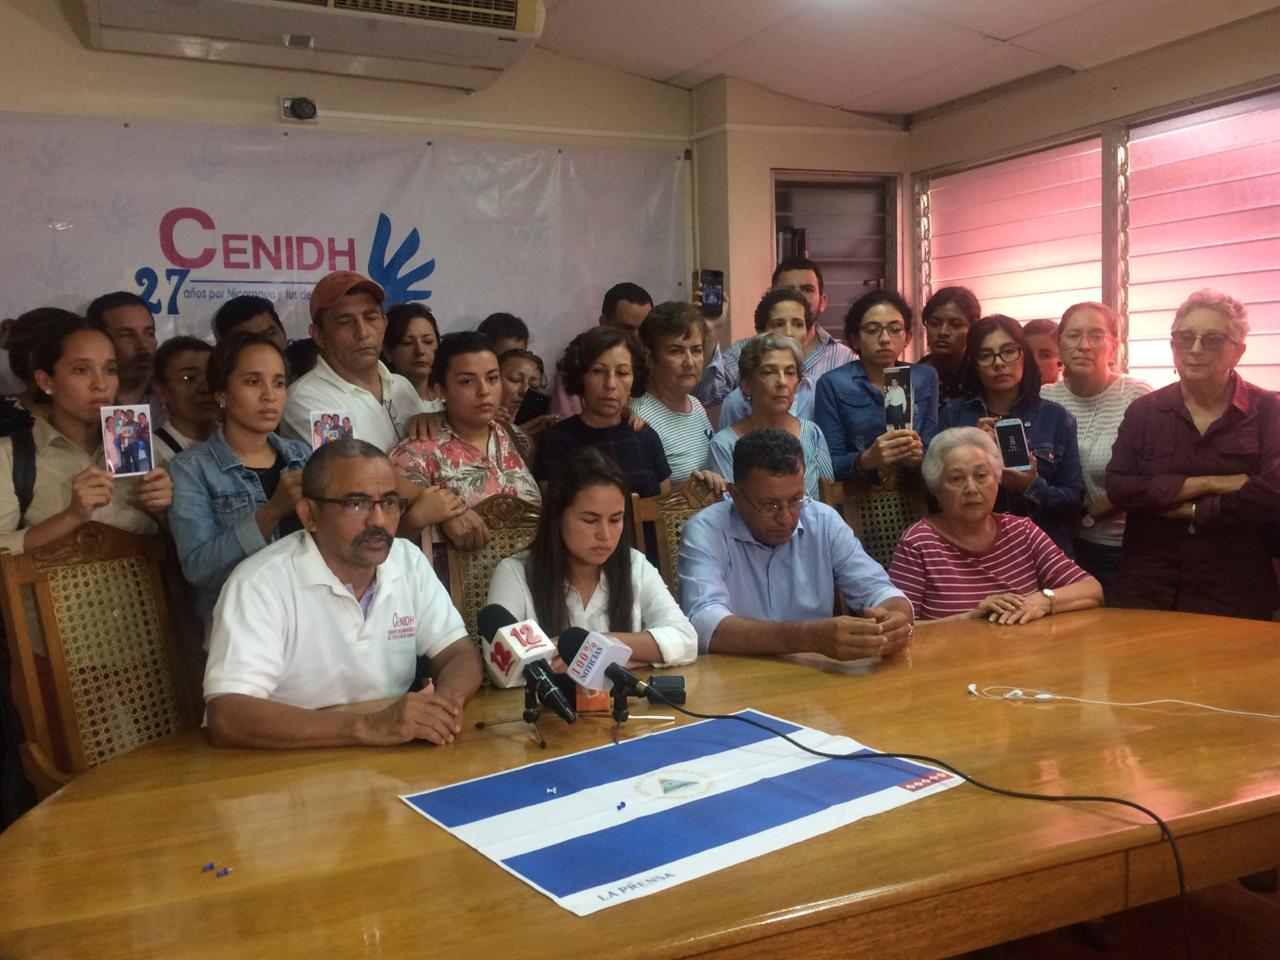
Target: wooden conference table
327	862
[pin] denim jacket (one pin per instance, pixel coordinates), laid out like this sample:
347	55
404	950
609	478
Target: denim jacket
215	498
1056	495
850	411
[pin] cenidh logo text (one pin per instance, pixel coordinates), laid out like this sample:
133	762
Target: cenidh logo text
239	261
251	251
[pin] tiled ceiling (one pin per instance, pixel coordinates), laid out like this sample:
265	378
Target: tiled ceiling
875	56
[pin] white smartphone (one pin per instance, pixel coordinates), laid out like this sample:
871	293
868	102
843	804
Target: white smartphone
1012	440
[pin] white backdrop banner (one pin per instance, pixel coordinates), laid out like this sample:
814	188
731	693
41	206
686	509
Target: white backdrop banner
188	215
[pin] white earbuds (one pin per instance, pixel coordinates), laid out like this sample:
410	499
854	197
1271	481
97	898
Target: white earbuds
1011	693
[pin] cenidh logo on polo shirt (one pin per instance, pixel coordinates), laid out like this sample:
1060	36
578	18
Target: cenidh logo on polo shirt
401	626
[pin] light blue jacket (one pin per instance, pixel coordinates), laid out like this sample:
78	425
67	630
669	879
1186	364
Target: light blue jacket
850	411
215	498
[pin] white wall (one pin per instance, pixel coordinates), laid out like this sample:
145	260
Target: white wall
743	133
49	68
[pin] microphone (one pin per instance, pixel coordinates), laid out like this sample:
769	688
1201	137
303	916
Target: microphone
516	651
593	658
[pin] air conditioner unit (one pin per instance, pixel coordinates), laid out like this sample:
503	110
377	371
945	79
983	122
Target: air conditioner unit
464	44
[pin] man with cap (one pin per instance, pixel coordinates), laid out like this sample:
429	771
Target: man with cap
348	324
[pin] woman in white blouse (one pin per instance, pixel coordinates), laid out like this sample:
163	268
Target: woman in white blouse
1097	396
581	571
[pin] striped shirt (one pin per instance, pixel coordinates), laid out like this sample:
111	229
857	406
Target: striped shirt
685	436
720	375
1097	423
941	579
817	459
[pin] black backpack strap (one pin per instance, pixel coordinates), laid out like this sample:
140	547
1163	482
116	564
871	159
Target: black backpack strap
24	471
165	437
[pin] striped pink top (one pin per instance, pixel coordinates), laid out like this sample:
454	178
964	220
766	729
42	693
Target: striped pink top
941	579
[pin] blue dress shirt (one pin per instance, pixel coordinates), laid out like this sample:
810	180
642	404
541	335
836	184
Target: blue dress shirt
850	411
725	571
1056	495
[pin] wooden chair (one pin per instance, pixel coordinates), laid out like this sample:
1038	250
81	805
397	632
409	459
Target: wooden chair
879	515
668	513
94	669
512	522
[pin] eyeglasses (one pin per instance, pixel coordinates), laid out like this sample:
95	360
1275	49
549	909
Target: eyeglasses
360	507
875	329
772	508
1008	353
1186	340
1096	338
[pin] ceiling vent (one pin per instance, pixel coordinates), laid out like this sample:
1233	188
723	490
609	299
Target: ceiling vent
464	44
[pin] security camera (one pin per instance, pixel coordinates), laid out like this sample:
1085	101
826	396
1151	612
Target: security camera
298	109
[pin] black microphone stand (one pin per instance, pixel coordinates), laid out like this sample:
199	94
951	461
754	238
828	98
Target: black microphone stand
532	711
621	711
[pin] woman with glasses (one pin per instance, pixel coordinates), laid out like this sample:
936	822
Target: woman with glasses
1196	465
769	370
850	403
581	570
947	317
967	562
1001	383
1097	396
235	493
181	384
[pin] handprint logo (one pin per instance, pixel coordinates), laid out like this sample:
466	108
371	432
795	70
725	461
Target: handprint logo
386	272
120	214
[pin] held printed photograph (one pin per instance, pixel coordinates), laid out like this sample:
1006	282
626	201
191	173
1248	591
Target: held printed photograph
126	439
898	402
328	426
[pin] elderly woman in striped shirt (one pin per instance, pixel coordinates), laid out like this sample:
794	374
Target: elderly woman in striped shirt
968	563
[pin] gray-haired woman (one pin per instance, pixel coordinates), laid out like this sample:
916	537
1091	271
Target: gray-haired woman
769	371
967	562
1197	466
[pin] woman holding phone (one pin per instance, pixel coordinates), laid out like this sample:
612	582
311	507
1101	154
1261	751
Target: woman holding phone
855	404
1000	384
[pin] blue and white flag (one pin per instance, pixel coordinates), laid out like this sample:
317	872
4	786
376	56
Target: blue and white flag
598	828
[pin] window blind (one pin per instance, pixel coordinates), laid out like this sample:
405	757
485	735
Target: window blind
1024	234
1204	211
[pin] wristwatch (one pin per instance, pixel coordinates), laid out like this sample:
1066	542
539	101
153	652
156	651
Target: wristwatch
1049	595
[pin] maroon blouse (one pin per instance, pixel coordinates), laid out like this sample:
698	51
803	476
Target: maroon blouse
1225	566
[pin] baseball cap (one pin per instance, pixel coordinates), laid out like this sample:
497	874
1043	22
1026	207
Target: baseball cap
334	286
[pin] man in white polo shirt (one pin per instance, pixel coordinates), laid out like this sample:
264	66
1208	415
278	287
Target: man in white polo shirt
315	639
348	324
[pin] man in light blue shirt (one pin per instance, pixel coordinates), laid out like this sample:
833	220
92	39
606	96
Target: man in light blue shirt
822	352
758	575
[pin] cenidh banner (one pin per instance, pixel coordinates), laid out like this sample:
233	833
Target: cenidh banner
187	215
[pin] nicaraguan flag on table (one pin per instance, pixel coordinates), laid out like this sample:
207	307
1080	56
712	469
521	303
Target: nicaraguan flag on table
598	828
